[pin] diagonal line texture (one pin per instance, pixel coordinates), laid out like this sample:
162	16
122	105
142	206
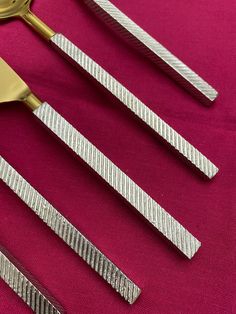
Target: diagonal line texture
117	179
69	234
165	131
139	38
24	287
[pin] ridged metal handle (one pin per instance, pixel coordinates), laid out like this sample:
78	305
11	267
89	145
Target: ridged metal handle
135	35
26	288
69	234
117	179
135	105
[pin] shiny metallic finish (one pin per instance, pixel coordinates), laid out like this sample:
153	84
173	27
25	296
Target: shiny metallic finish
117	179
69	234
21	9
28	291
135	35
13	88
136	106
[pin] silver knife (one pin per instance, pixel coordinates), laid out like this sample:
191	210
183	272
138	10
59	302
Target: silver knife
79	58
107	170
25	286
69	233
138	37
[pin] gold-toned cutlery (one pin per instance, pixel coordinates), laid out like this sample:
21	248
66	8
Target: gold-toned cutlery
155	51
13	88
26	287
69	233
20	8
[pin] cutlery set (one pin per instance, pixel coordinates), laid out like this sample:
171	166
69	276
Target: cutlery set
13	88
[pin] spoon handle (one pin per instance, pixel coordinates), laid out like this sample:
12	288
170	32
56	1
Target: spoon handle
141	40
25	286
118	180
165	131
44	30
68	233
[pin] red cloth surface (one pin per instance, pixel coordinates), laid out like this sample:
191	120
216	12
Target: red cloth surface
202	34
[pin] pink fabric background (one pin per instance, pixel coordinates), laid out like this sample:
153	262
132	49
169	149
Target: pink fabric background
202	34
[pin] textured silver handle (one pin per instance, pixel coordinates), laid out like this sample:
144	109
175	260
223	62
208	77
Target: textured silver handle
135	105
25	287
69	234
153	212
135	35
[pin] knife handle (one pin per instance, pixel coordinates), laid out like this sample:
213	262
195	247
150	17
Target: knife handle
118	180
155	51
165	131
69	233
25	286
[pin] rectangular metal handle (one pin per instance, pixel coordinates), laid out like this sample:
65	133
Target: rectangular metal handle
26	287
155	51
165	131
68	233
117	179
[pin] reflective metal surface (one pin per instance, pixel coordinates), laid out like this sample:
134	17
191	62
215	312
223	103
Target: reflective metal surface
13	88
165	131
11	8
153	212
117	179
119	91
69	234
35	296
21	8
135	35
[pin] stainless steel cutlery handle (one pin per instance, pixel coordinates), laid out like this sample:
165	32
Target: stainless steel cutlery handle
130	31
165	131
25	288
117	179
69	234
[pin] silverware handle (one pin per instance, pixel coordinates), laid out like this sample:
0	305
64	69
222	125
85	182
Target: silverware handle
68	233
165	131
25	286
155	51
117	179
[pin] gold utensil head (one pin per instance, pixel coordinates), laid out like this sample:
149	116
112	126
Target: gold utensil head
11	8
12	87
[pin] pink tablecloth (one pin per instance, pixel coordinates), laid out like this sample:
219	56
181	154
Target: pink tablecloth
202	34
